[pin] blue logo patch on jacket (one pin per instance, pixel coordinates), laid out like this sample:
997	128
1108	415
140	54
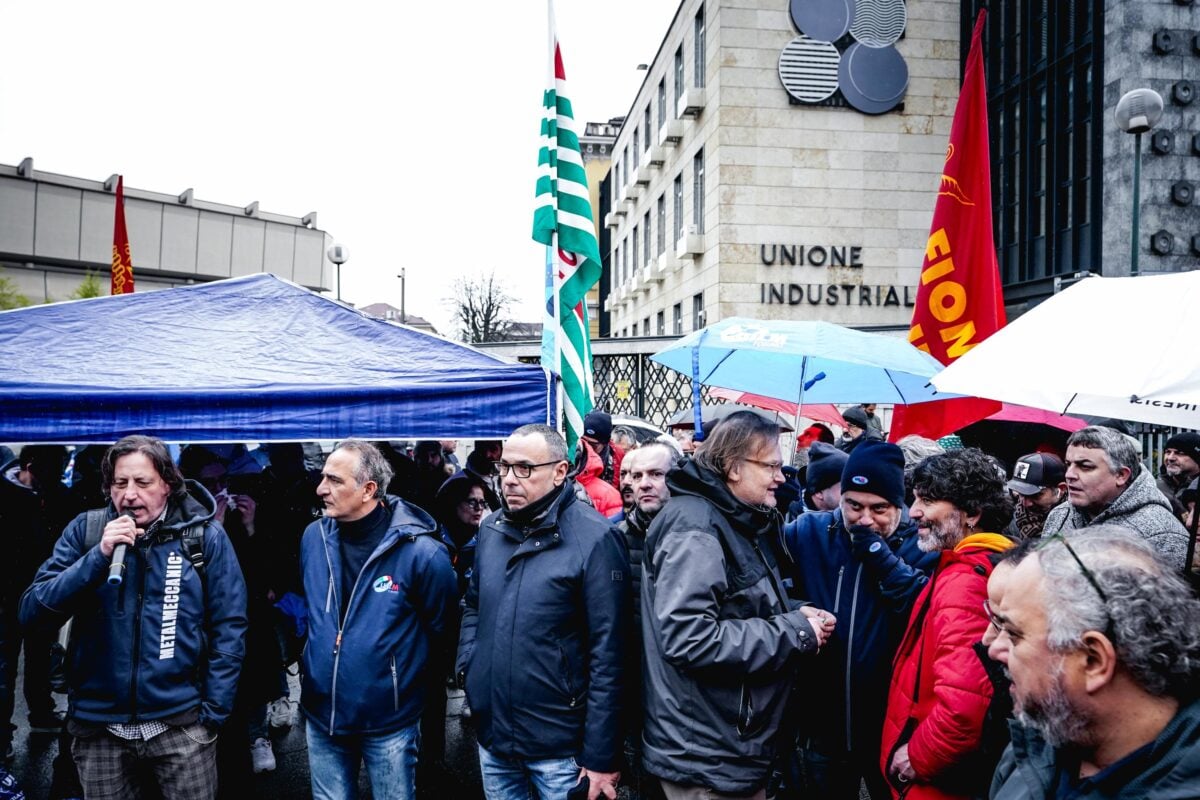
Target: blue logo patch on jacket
384	584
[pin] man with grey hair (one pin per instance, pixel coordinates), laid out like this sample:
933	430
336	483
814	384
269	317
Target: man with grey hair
1101	639
1107	484
544	631
378	583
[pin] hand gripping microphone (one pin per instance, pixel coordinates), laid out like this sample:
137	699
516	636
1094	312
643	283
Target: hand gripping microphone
116	569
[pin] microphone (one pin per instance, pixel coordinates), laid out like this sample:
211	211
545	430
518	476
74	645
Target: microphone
116	569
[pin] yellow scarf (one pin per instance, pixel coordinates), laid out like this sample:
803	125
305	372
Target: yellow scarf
988	541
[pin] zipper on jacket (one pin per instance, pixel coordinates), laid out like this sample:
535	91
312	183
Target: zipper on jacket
395	684
137	634
837	593
566	670
747	711
337	643
850	652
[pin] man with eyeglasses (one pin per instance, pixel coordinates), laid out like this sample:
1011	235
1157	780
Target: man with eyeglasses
1107	484
721	639
1100	638
863	559
544	631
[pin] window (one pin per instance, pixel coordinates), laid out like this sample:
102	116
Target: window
617	265
646	238
637	151
625	260
698	50
662	224
648	128
661	324
698	190
625	161
635	248
677	319
698	311
618	188
1046	154
662	102
646	327
678	75
677	208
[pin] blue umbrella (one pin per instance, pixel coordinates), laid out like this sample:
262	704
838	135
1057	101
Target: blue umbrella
805	362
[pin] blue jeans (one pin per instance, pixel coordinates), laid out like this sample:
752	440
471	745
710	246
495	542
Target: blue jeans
520	779
391	760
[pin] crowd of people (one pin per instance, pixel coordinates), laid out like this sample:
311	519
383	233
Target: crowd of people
683	616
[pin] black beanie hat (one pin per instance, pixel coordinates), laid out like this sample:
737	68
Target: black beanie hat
876	467
598	425
1187	443
825	464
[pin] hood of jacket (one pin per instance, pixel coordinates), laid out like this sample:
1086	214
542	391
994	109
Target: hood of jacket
195	507
1141	492
699	481
11	469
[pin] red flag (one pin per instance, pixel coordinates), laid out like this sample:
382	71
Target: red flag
122	262
959	299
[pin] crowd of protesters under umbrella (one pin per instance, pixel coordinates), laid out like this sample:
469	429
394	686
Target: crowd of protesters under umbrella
681	616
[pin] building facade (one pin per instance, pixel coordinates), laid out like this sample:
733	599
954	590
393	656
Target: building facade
759	174
740	189
54	229
1062	171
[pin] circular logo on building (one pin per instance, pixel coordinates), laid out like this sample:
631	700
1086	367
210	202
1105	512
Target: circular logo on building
846	46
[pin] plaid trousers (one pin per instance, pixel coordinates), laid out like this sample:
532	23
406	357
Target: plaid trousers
183	761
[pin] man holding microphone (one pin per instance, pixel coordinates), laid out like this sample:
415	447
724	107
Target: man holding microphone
157	645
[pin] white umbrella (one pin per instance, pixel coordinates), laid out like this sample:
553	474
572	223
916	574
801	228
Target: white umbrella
1111	347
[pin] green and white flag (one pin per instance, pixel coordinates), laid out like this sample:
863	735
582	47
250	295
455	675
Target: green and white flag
562	220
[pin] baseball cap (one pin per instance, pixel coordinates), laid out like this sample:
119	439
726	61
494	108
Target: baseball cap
1035	472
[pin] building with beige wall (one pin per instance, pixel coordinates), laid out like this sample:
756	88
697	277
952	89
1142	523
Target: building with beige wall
732	198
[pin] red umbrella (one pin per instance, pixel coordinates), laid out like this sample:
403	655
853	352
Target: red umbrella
1011	412
823	412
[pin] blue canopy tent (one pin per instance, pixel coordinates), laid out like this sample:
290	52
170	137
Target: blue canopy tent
249	359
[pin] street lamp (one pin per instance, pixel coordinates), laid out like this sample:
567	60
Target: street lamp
403	315
338	254
1137	113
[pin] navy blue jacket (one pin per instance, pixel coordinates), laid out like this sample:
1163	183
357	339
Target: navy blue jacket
872	606
544	632
364	674
137	656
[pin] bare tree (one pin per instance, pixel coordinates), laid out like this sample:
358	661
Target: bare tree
482	309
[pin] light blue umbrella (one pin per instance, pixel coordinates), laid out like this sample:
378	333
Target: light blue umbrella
805	362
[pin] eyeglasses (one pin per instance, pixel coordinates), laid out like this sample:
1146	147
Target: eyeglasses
997	622
520	470
475	504
774	466
1087	574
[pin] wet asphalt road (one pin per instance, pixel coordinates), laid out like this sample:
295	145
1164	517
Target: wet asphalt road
34	754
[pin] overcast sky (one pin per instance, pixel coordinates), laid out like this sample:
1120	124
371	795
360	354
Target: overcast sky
410	128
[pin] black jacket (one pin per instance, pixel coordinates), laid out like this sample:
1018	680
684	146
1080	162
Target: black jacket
544	635
719	640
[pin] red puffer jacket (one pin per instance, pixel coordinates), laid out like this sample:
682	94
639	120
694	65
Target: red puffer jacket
605	498
949	705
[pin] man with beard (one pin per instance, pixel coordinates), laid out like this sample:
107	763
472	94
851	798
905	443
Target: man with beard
1039	483
1107	484
1102	642
862	557
940	692
1181	465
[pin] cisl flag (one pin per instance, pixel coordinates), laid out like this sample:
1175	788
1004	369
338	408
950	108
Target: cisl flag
959	300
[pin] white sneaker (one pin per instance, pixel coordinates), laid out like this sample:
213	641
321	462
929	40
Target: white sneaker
262	756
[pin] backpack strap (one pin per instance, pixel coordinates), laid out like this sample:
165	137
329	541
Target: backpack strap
97	518
192	541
